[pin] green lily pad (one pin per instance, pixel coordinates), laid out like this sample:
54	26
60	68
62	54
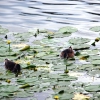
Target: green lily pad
54	76
65	96
81	46
90	52
5	54
27	80
95	28
95	57
52	57
23	94
60	35
67	30
40	54
70	78
7	76
85	66
95	72
4	95
8	88
95	62
92	88
79	40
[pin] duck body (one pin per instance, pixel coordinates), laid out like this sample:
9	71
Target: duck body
12	66
67	53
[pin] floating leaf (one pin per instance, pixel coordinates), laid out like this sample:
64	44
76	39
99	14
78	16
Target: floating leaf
90	52
8	88
23	94
92	88
25	86
40	54
67	30
70	78
85	66
79	96
2	94
95	62
84	57
60	35
25	48
79	40
95	57
31	66
27	80
95	28
66	96
81	46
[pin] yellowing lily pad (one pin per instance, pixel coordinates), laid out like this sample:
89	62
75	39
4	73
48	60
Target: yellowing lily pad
22	47
25	48
79	96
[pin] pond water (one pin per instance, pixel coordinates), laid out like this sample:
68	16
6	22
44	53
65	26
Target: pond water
49	14
22	15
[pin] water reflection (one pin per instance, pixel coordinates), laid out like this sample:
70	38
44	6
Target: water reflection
49	14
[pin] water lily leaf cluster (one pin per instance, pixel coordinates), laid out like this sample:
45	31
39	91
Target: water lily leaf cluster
43	71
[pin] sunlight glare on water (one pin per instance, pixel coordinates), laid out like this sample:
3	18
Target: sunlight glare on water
49	14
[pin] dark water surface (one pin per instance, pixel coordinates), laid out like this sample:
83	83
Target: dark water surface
20	15
49	14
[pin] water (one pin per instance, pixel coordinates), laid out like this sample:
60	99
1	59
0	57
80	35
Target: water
49	14
21	15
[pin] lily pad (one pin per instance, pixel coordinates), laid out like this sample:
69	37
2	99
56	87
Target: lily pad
60	35
79	96
95	28
27	80
95	62
79	40
65	96
26	47
90	52
92	88
95	57
81	46
23	94
67	30
69	78
8	88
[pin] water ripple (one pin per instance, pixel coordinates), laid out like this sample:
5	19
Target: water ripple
37	13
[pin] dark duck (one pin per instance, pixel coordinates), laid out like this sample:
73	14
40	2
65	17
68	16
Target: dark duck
13	67
67	53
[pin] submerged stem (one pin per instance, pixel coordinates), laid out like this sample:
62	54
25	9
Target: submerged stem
9	47
66	67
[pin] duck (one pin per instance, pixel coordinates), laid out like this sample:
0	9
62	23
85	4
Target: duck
67	53
13	67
